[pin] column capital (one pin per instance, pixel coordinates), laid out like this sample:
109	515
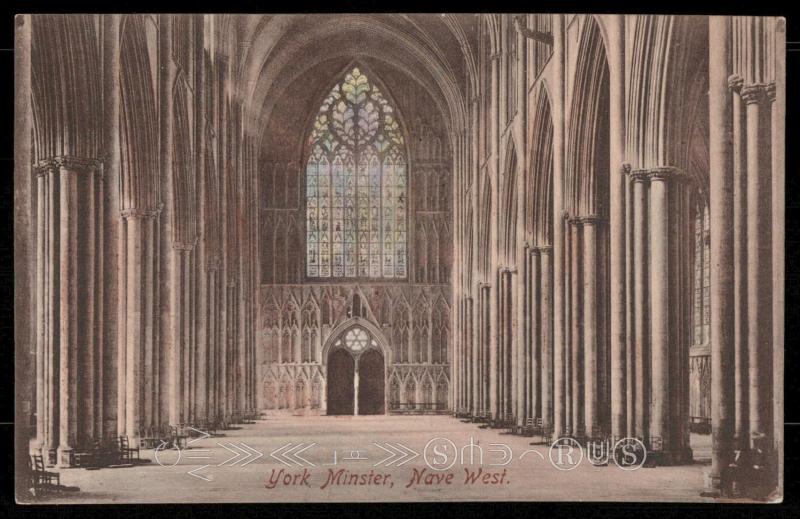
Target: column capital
80	164
754	93
135	212
735	82
484	285
665	173
638	175
590	219
657	173
184	246
68	162
771	92
544	249
43	167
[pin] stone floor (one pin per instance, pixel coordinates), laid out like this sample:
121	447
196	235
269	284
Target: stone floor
393	450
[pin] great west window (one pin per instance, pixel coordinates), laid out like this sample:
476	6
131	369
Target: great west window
356	186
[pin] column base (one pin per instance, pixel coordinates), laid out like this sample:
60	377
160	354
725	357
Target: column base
50	455
713	484
681	456
66	457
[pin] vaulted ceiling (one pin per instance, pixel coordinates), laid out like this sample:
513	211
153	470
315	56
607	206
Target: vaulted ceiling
284	64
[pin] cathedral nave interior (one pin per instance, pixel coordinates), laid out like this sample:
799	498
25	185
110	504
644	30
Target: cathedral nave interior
570	222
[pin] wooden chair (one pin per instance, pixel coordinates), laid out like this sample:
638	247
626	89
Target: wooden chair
547	434
509	424
178	436
149	437
127	452
487	421
533	426
40	477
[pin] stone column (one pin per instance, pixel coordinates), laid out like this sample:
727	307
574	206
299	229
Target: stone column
630	349
758	260
558	342
501	335
134	322
722	272
151	343
509	354
495	331
659	240
546	335
29	260
355	388
52	293
488	360
740	265
41	305
68	312
590	294
615	49
87	256
122	325
576	338
569	388
523	350
472	344
640	300
47	327
536	325
778	126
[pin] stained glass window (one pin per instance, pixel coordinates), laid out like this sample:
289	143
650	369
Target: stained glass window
356	340
356	186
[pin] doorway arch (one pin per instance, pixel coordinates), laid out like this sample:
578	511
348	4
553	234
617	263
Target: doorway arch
356	370
341	388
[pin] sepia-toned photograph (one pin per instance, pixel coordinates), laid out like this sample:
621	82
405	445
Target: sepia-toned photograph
399	257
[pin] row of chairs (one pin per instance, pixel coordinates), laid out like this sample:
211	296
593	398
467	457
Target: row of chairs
154	437
118	451
533	426
178	436
416	407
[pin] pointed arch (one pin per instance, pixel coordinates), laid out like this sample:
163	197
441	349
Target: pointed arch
667	94
139	169
183	184
586	174
539	177
373	331
484	227
508	218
